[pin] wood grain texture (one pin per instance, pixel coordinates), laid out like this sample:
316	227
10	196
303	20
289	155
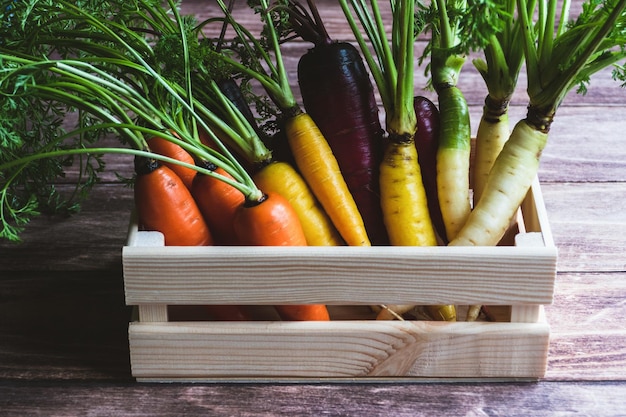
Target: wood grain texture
155	275
517	399
502	275
67	275
343	276
345	349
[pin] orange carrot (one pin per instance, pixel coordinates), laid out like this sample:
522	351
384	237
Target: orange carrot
283	179
307	312
168	148
272	221
164	204
218	202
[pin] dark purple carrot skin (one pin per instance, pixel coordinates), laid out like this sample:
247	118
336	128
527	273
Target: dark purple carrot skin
338	94
427	143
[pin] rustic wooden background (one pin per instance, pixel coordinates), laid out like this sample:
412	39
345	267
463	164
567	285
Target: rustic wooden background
64	351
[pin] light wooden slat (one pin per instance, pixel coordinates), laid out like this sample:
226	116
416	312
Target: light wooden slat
153	313
338	350
346	275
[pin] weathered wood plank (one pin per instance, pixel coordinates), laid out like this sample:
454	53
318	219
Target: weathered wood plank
539	399
63	326
587	328
88	240
588	224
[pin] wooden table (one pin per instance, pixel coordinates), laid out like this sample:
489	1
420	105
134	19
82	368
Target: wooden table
63	320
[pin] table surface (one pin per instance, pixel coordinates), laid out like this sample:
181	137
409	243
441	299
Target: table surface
63	320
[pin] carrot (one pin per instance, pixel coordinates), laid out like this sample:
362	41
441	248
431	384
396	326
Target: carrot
272	221
338	95
283	179
164	204
218	202
457	29
167	148
402	194
403	197
559	55
493	132
311	151
453	159
306	312
500	71
427	143
318	166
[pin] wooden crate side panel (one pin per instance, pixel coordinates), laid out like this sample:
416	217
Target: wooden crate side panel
165	351
535	214
342	275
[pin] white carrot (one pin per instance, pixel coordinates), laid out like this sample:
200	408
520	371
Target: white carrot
556	62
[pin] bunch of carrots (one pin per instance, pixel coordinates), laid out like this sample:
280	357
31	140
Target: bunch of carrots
328	171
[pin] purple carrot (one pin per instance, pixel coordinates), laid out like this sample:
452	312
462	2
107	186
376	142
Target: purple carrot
339	96
427	143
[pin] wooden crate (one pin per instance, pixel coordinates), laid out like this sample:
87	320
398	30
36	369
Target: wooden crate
515	279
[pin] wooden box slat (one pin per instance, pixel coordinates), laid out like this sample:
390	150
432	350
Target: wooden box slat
519	279
340	275
343	275
345	349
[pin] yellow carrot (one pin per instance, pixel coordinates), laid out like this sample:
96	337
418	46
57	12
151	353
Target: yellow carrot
282	178
403	197
312	154
319	168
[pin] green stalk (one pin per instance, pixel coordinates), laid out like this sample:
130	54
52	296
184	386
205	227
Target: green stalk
575	53
500	71
251	145
403	198
392	63
188	105
454	135
84	82
276	83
